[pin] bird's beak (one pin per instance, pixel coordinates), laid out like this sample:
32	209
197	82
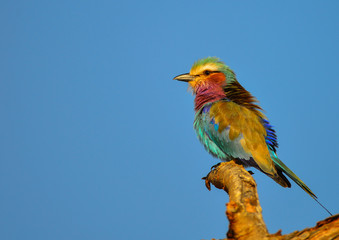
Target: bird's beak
186	77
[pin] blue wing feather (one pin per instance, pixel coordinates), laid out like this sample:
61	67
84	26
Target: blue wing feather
271	137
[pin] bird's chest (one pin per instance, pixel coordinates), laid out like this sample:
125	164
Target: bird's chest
217	138
207	131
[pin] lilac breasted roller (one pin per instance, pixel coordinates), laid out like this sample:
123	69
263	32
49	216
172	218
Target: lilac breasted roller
230	124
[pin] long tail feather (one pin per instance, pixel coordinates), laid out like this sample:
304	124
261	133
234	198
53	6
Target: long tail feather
283	168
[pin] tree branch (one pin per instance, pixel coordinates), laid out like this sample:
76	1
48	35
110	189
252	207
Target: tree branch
244	211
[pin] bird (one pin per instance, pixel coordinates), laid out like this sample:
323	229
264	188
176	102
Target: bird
231	125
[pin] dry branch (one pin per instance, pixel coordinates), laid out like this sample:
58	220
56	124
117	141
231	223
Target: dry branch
244	211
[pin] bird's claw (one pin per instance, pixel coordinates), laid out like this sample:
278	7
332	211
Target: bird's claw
215	166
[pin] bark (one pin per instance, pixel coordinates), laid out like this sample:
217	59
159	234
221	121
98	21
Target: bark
244	211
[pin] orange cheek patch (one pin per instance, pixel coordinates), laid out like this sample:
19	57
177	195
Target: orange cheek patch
217	78
214	79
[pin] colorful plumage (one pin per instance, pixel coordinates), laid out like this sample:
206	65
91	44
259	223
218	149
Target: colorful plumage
230	124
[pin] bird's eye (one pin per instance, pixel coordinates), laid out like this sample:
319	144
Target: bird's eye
207	72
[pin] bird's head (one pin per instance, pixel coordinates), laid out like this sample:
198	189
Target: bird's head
206	73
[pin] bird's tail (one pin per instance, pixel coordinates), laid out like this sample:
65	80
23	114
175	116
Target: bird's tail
280	178
282	168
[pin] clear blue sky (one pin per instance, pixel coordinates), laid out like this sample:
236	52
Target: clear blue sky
97	139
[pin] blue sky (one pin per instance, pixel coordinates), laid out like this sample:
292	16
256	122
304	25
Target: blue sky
97	139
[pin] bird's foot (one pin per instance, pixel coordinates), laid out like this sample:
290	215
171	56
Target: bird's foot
250	172
207	183
215	166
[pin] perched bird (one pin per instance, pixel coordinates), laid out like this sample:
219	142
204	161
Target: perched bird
230	123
